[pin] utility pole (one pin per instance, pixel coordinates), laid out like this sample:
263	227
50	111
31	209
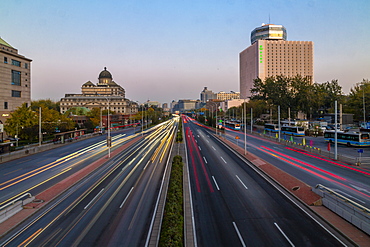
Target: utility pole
245	128
336	132
40	133
279	122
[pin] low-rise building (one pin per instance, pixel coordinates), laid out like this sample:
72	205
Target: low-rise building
106	93
223	96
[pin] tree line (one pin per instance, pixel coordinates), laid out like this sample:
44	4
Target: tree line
299	94
23	123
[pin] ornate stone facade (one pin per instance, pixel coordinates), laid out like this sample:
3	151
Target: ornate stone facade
101	95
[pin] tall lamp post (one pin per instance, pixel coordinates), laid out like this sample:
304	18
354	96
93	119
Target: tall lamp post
40	133
109	139
216	113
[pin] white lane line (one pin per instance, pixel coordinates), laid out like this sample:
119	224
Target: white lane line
223	160
240	236
93	199
207	140
290	242
241	182
199	148
205	160
213	148
126	197
214	180
196	140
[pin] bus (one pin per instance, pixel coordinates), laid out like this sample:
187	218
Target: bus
348	138
293	130
233	125
271	127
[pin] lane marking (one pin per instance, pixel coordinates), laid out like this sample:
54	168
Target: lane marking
286	237
239	235
199	148
205	160
213	148
223	160
12	171
241	182
214	180
93	199
126	197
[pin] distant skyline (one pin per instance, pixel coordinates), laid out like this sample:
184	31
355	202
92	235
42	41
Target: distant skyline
170	50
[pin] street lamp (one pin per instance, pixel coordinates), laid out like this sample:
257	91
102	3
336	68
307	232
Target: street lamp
109	140
216	113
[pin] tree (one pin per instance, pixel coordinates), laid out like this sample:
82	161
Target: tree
23	121
301	93
297	93
357	97
48	103
52	120
94	116
331	92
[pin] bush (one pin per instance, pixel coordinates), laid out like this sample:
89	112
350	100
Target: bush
179	133
172	232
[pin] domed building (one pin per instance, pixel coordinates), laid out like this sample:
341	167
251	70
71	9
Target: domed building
105	92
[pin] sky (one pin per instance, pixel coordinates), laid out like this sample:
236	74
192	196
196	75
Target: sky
161	50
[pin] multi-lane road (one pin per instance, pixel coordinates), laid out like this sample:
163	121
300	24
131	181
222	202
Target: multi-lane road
350	181
111	206
234	205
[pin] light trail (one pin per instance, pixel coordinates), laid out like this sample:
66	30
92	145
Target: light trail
329	161
312	172
306	164
58	162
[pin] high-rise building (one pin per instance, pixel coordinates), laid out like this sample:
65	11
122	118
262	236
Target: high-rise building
270	54
206	95
15	80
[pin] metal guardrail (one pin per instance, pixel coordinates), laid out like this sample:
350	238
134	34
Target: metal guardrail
348	209
345	199
15	200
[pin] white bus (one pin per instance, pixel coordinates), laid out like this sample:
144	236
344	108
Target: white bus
271	127
293	130
348	138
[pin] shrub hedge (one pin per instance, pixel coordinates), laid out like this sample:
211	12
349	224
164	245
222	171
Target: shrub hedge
172	232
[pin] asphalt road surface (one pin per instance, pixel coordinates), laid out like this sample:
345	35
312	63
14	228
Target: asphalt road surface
235	206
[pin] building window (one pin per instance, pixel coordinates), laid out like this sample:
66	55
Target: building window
26	65
5	60
5	105
16	77
16	93
16	63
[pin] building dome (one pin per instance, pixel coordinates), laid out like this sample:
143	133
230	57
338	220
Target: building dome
105	74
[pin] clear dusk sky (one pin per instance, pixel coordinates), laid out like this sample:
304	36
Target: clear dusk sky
170	50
